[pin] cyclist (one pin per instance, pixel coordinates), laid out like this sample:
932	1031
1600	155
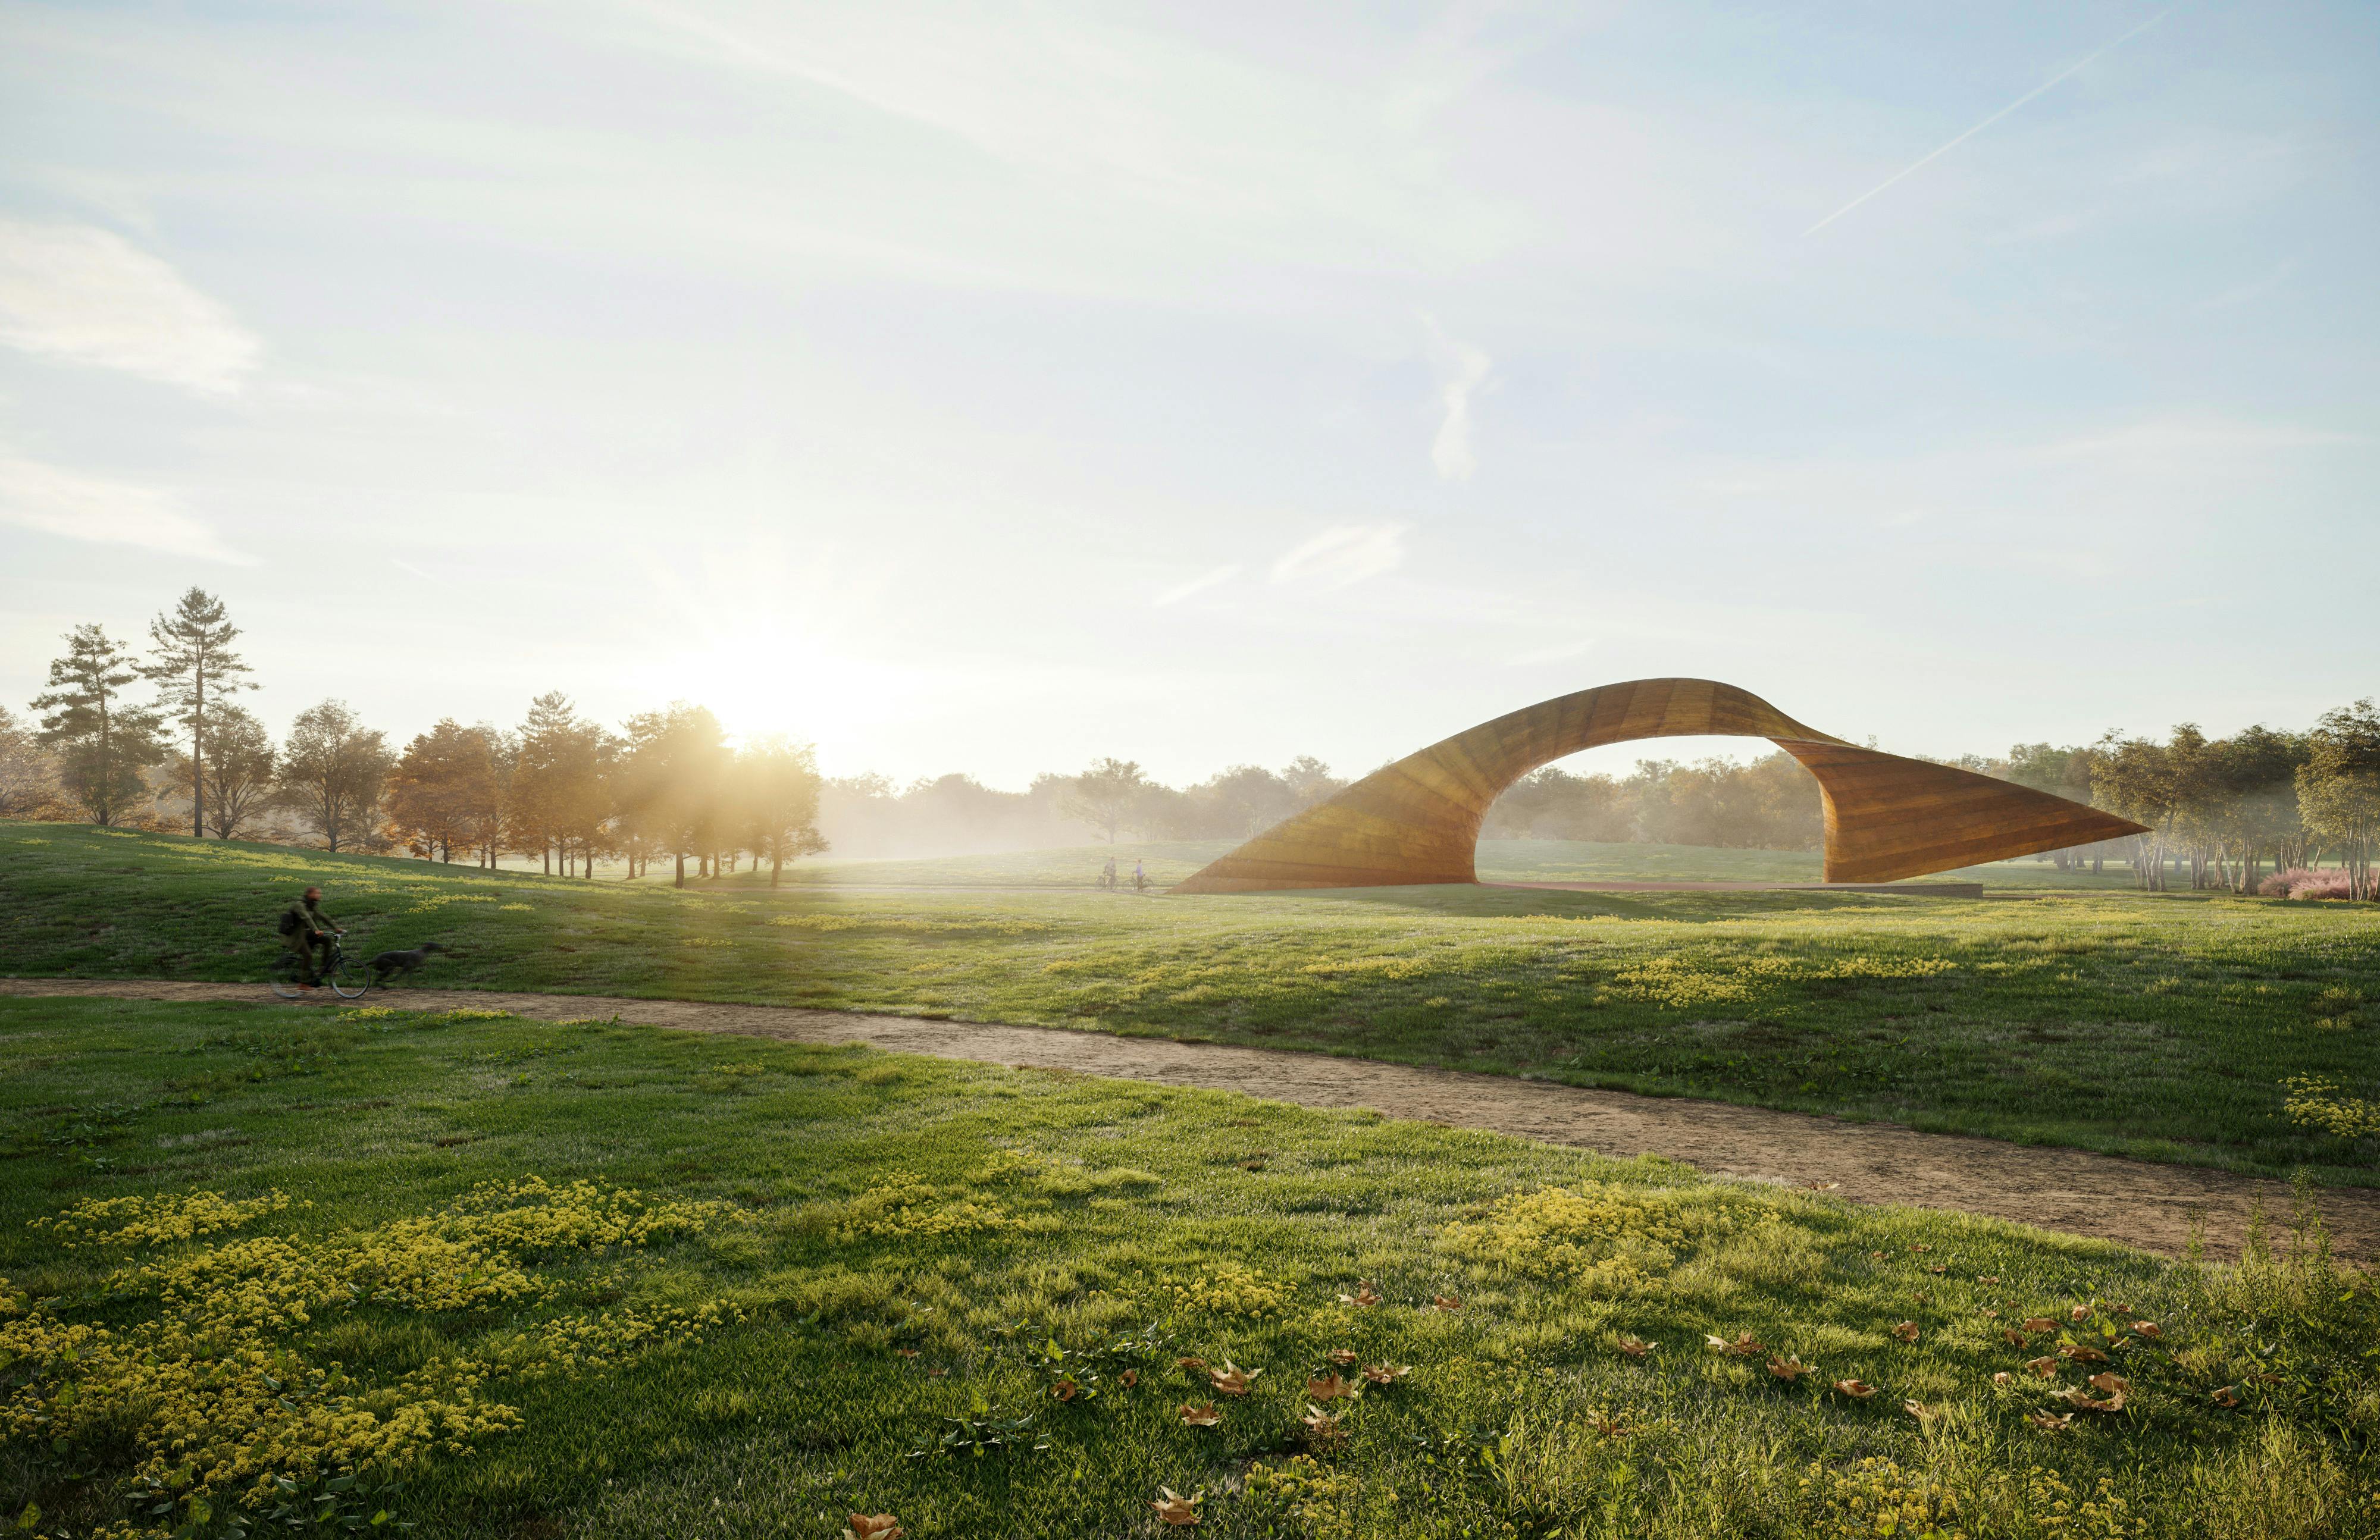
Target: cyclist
1140	877
304	926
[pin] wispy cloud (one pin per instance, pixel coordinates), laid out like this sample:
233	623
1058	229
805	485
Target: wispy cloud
1343	556
1194	587
1946	146
53	502
86	295
1461	370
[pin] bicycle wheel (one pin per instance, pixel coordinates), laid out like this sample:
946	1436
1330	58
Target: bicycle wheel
285	977
346	980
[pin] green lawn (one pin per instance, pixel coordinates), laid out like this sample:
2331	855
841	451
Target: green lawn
2167	1026
496	1278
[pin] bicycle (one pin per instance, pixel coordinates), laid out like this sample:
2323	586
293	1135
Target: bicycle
343	978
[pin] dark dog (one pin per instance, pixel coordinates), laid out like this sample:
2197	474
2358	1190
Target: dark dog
396	965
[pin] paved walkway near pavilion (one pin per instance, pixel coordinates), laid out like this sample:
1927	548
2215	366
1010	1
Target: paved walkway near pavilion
2137	1203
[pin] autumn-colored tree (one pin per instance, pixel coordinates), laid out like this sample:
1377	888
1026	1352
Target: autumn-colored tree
332	773
193	668
558	800
29	775
777	797
673	784
102	743
443	791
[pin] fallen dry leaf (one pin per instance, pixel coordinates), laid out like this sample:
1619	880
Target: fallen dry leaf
1634	1347
1788	1369
1341	1356
1742	1347
1193	1365
2050	1422
1129	1378
1918	1295
873	1526
2014	1337
1230	1380
2080	1313
2039	1322
1981	1278
2148	1329
906	1352
2046	1367
1991	1314
1921	1248
1446	1301
1065	1389
2003	1378
1919	1410
2228	1395
1180	1512
1329	1387
1200	1416
1942	1268
1364	1298
1322	1428
2081	1354
1610	1428
2113	1383
1822	1186
1858	1390
2082	1400
1387	1374
1906	1331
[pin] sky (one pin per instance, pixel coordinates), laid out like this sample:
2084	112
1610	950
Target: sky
987	389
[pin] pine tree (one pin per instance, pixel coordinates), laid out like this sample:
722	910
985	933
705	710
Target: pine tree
102	741
193	656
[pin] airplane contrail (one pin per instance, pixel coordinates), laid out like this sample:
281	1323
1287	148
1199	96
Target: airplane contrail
1943	148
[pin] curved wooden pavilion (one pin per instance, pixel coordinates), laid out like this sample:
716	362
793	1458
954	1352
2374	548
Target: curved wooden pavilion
1417	821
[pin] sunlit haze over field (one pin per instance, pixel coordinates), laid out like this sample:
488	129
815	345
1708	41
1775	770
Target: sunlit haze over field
968	390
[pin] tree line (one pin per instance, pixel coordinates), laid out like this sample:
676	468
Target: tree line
559	787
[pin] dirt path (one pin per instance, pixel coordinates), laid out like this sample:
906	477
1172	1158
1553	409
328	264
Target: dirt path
2135	1201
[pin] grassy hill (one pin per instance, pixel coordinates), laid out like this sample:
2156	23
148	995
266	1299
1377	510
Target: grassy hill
2174	1026
468	1275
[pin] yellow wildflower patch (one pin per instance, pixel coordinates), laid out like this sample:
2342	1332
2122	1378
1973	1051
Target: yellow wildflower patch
905	1206
2315	1101
1691	983
1593	1236
156	1221
1227	1289
210	1388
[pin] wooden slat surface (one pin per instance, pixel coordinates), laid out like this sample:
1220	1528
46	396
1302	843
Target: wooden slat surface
1417	821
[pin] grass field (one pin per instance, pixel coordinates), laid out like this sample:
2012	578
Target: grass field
495	1277
2168	1027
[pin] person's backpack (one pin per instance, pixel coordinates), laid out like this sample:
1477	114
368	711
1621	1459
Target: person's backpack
289	922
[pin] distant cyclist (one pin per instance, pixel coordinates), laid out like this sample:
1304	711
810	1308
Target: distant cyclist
1139	876
1107	874
303	927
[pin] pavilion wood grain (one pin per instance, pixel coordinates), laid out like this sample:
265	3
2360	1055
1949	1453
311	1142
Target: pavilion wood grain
1417	821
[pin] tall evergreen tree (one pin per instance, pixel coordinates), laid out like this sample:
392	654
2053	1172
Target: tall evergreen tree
194	657
102	741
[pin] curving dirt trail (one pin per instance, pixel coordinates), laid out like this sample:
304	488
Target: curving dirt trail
2133	1202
